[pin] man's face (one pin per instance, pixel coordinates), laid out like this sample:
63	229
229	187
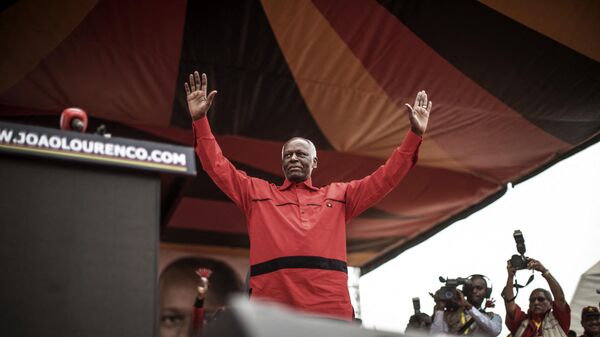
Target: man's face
538	303
176	309
591	324
298	160
478	294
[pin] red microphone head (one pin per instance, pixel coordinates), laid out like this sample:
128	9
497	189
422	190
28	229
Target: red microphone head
73	119
203	272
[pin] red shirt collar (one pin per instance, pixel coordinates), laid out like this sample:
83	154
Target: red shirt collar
308	183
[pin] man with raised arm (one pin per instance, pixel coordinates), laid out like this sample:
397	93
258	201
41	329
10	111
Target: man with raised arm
545	317
297	230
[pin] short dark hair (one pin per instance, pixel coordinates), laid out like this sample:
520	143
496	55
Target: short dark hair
547	293
468	287
224	279
481	277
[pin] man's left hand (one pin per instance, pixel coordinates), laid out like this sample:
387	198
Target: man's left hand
462	302
419	113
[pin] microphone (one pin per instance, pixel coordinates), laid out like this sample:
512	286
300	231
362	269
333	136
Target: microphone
73	119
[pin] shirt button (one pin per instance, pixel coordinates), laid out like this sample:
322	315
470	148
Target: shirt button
328	204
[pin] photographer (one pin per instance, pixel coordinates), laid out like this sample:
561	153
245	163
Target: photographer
419	322
545	317
460	316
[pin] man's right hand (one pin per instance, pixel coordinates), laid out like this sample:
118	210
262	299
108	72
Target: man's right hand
198	102
510	269
439	303
202	288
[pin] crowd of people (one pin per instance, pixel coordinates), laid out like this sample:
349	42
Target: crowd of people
459	312
467	312
297	237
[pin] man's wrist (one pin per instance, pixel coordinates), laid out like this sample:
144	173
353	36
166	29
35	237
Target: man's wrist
195	118
546	273
506	297
199	302
416	131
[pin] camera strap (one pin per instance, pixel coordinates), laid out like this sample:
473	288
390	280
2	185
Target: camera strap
466	326
517	286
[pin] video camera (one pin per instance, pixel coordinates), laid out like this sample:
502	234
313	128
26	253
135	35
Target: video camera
447	293
519	261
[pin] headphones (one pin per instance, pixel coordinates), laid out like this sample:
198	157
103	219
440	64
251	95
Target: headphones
468	288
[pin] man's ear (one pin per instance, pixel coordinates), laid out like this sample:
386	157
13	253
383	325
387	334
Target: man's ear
315	162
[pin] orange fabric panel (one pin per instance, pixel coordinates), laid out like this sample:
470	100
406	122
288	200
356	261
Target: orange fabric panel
354	81
572	23
351	108
471	125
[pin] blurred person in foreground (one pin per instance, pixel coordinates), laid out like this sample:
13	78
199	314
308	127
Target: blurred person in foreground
418	323
184	300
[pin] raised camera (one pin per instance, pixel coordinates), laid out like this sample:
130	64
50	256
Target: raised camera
416	305
519	261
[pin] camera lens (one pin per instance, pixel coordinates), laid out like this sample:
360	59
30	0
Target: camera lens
448	294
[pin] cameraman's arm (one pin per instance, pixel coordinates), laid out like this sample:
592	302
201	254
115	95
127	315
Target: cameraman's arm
555	288
491	326
439	325
508	294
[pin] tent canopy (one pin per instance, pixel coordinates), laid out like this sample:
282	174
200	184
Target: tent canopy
586	294
515	87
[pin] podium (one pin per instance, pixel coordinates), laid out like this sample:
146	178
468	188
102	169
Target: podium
79	231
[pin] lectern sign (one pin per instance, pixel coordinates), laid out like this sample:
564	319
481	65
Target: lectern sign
115	151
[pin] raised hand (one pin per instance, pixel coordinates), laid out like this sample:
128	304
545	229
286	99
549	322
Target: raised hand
439	303
462	302
536	265
510	269
198	101
419	113
202	285
202	288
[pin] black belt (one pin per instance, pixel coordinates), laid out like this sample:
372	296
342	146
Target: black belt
309	262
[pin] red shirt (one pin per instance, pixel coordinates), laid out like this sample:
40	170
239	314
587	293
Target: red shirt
298	231
563	317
